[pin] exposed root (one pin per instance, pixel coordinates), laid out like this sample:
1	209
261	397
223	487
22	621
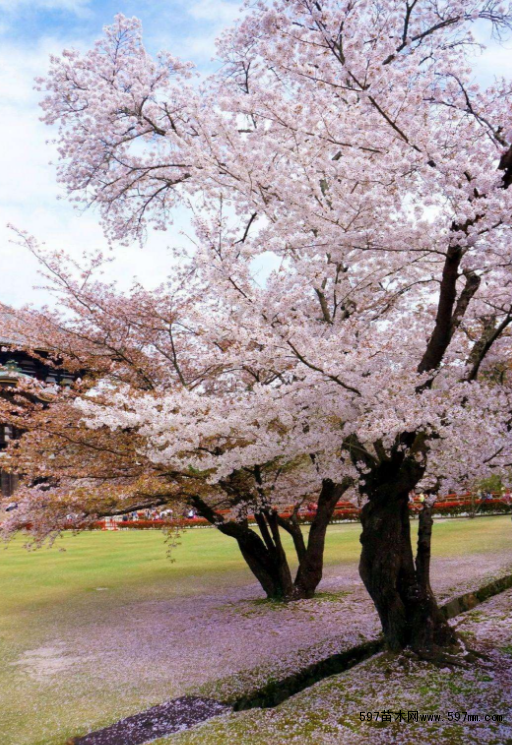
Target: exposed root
457	659
474	656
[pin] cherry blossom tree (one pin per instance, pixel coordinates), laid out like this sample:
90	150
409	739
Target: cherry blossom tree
348	145
140	346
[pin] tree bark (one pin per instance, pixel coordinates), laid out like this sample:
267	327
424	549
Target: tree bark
311	566
265	555
293	527
280	558
399	586
424	550
259	556
443	328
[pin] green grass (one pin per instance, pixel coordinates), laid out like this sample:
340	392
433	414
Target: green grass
99	575
45	593
133	562
136	562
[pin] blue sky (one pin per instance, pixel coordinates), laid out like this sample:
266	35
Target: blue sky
30	30
179	24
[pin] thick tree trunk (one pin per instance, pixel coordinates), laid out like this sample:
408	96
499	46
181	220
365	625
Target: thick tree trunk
399	586
259	560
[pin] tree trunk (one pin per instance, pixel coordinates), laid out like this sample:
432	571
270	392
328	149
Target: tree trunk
399	586
280	558
260	560
266	561
265	555
311	563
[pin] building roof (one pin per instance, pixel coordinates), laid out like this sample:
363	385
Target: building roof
12	325
10	328
16	346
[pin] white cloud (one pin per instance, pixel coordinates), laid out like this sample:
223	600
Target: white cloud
73	6
219	11
494	62
206	19
494	59
28	190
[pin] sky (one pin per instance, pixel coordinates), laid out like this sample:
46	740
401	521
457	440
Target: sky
31	30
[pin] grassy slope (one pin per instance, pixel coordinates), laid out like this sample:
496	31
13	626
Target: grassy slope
44	591
328	713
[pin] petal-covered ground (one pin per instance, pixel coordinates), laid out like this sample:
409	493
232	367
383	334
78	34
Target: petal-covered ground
401	701
111	627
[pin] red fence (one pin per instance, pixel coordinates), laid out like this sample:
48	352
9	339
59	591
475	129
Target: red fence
452	505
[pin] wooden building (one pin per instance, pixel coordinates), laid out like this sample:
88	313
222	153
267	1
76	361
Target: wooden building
13	363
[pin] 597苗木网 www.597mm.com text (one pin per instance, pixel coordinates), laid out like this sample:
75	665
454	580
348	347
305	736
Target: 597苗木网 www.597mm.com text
415	716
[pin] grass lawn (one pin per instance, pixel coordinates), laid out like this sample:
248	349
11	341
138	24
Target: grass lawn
53	602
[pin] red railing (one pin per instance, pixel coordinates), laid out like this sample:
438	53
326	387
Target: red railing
453	504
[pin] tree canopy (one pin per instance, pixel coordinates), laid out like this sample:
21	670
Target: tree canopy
349	143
